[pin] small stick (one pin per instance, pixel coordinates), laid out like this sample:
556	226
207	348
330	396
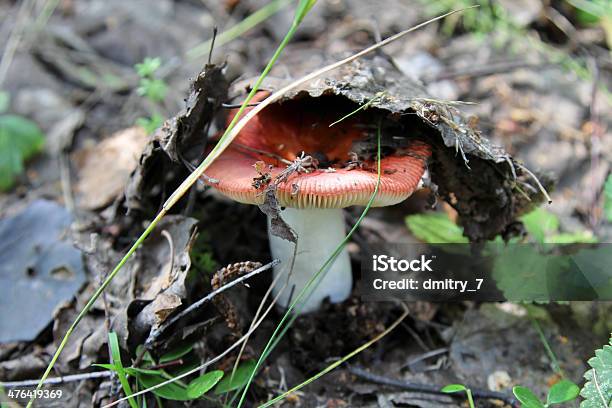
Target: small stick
168	364
155	333
212	44
58	380
428	388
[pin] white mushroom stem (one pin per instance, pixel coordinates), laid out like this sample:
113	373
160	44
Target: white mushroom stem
319	233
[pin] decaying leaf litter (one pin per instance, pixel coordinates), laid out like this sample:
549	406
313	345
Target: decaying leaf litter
120	230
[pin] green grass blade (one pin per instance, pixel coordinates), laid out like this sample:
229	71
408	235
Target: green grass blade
242	27
113	344
376	97
551	354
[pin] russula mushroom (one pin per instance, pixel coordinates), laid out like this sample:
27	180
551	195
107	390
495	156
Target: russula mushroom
332	176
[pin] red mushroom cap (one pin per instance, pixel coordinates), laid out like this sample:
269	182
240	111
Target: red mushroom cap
286	130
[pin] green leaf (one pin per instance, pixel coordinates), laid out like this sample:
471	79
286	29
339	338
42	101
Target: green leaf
608	198
136	371
597	390
453	388
527	397
435	228
240	378
563	391
147	67
171	391
541	224
176	353
106	366
203	384
20	139
113	343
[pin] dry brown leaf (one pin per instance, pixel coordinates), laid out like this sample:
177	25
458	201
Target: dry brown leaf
106	167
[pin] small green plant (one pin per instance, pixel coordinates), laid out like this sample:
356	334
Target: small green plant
149	376
597	390
451	388
20	139
563	391
152	88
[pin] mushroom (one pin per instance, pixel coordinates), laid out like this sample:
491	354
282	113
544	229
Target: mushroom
312	168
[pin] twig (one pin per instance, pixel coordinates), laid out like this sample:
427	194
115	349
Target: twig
426	355
427	388
58	380
172	363
263	302
238	105
416	337
155	333
212	45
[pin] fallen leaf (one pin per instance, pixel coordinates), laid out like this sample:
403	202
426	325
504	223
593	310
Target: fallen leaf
106	167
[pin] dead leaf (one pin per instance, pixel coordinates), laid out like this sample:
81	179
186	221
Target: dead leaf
162	270
278	227
105	168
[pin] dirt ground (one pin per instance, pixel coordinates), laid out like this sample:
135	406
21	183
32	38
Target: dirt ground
539	88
